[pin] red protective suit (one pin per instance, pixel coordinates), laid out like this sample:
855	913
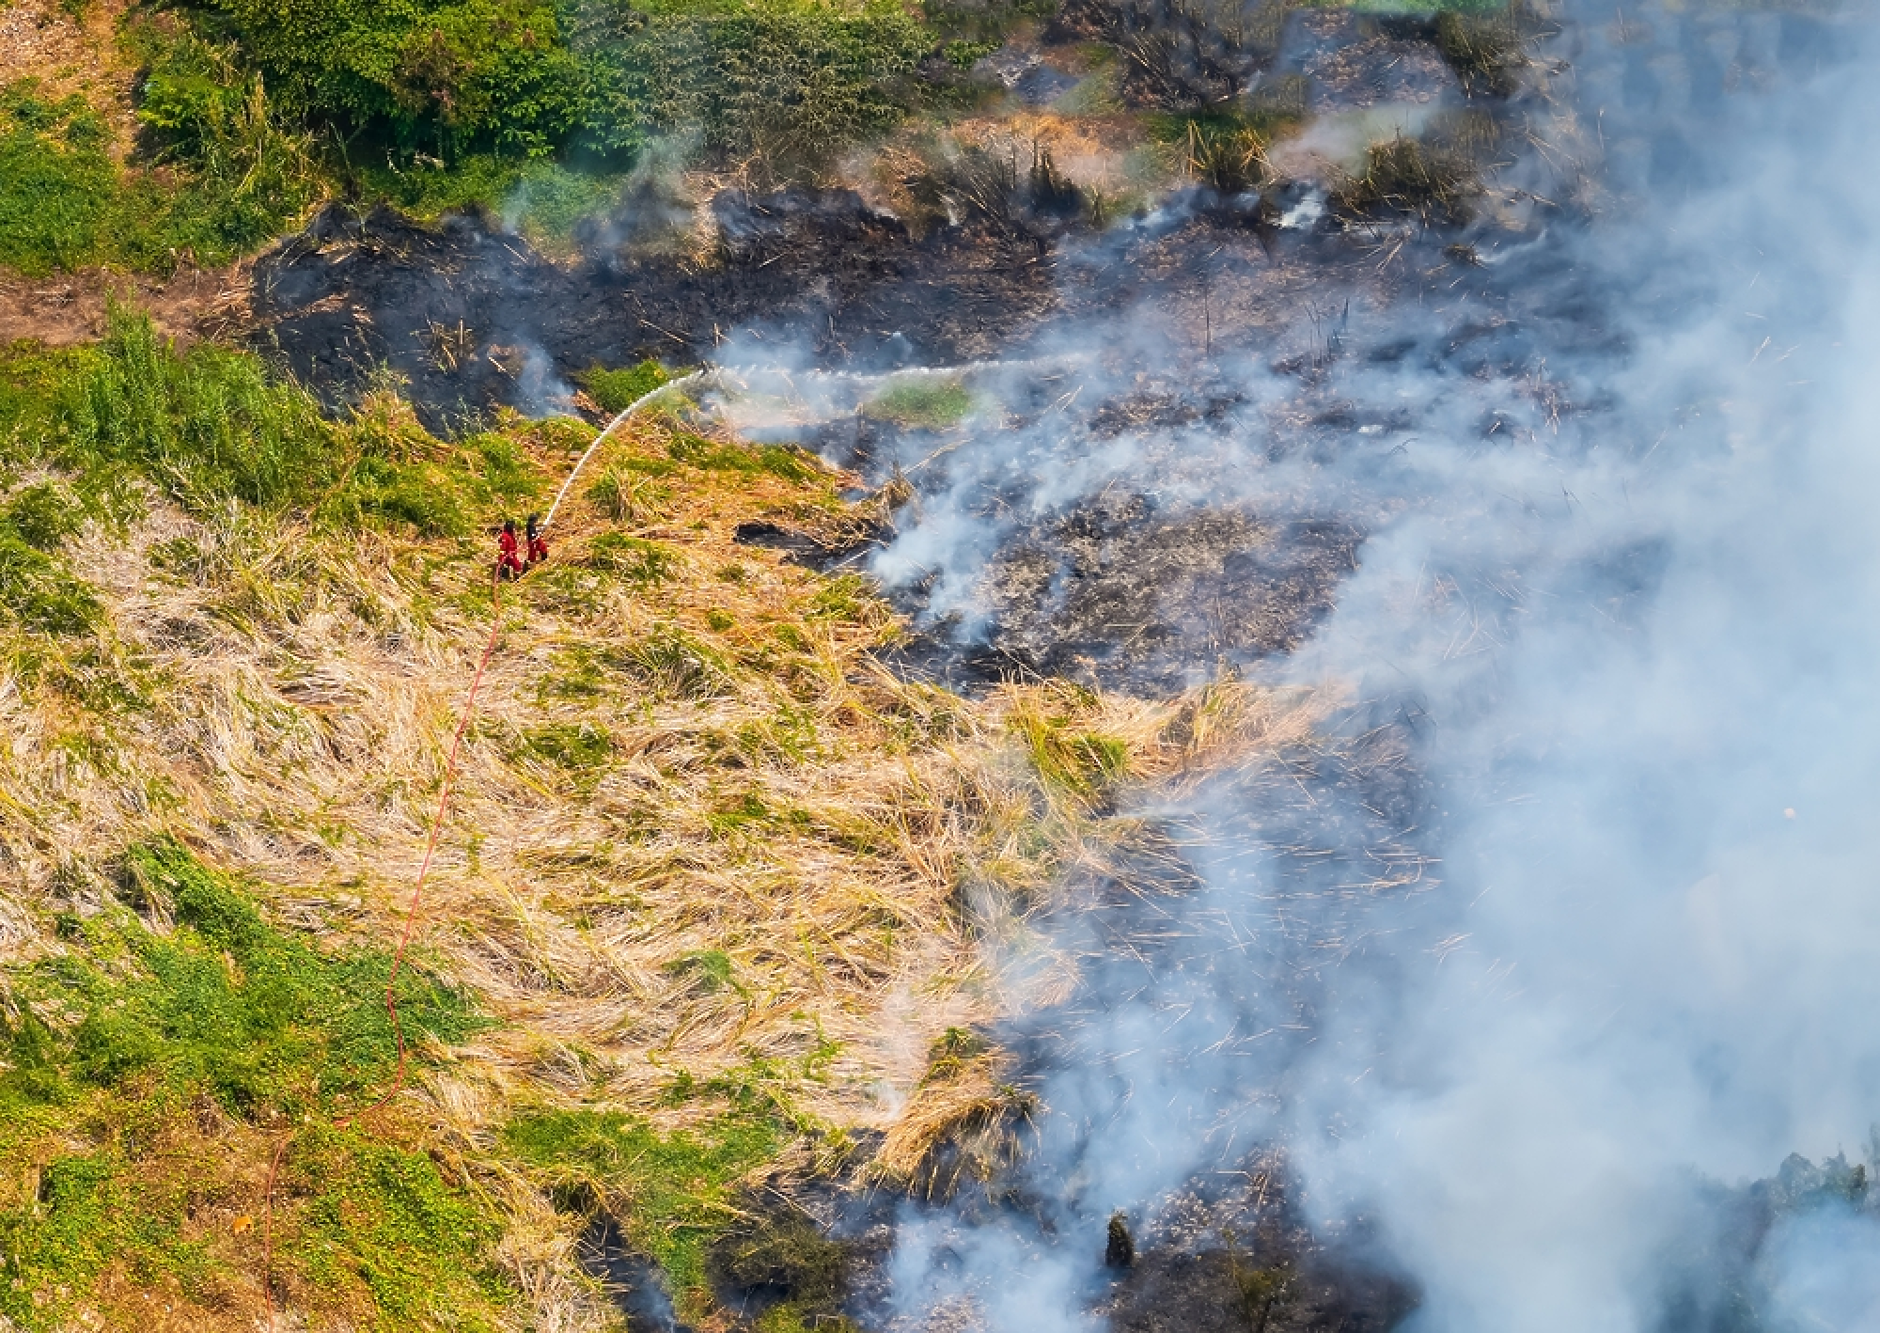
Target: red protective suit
507	565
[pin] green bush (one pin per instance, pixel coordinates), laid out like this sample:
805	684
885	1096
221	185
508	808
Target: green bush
524	79
237	177
791	79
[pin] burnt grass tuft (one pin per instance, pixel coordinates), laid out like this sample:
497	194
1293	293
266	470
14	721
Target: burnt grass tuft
1485	50
1403	175
777	1255
1197	1272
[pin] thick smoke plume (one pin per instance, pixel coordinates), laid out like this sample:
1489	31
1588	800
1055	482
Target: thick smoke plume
1572	933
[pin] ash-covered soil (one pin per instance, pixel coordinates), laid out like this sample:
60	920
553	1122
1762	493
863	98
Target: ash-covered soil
1122	593
1231	1259
473	318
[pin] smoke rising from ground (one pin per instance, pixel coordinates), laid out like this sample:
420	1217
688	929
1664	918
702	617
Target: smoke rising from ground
1598	946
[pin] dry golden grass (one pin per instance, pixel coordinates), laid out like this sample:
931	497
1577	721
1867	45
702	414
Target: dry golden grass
696	822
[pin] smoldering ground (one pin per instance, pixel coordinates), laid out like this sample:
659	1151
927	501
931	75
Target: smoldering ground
1614	599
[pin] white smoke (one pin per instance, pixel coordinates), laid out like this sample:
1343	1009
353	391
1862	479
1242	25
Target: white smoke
1621	584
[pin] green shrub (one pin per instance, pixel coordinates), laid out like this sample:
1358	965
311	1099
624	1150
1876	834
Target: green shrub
245	175
790	79
523	78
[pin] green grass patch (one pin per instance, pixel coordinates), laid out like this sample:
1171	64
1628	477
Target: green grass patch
638	561
922	403
232	177
709	970
209	426
1083	763
383	1217
617	390
677	1188
579	747
120	1041
227	1004
775	459
39	595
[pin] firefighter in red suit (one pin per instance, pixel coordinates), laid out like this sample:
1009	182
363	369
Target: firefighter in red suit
507	565
538	544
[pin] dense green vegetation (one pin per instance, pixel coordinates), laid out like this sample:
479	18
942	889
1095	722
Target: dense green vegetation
208	426
250	111
136	1041
67	203
526	79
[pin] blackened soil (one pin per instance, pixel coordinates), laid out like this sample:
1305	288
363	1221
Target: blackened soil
1127	594
1118	594
1238	1261
1224	1291
473	318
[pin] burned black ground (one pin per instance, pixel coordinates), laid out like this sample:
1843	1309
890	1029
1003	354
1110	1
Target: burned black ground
471	318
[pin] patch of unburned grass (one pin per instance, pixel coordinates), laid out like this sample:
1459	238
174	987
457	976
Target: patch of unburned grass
617	390
143	1073
232	183
673	1192
37	592
638	561
928	404
778	460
